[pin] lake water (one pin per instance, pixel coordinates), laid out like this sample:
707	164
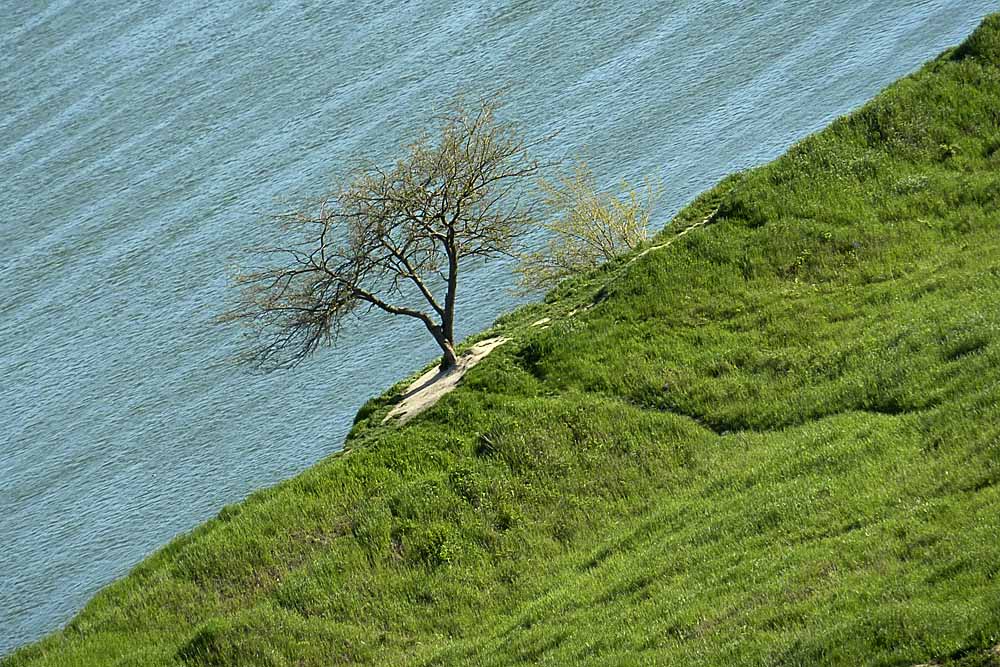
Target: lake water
141	141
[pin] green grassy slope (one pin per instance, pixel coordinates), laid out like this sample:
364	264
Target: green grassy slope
775	442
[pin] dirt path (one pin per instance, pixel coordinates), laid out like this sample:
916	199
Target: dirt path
707	220
432	385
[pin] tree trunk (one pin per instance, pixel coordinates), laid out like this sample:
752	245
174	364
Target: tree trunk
448	358
448	318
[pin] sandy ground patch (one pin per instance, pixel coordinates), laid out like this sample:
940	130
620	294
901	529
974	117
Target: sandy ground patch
432	385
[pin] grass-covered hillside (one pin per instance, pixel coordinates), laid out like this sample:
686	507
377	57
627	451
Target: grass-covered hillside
774	442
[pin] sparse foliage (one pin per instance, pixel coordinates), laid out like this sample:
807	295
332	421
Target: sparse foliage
393	239
586	228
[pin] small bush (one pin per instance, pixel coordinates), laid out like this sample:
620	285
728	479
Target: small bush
587	227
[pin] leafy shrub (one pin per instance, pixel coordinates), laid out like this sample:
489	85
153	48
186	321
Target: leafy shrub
587	227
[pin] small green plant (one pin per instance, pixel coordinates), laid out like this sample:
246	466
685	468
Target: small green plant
948	151
587	227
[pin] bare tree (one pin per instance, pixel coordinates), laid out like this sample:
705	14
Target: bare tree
393	239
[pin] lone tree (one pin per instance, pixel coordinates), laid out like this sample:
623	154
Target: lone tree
393	239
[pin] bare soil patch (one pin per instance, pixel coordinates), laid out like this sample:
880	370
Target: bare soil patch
432	385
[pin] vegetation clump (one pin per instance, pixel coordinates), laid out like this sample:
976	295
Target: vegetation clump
586	227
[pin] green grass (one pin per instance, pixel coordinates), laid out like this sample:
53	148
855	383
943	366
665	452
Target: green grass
776	442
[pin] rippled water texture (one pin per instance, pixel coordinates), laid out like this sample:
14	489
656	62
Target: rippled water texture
141	141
